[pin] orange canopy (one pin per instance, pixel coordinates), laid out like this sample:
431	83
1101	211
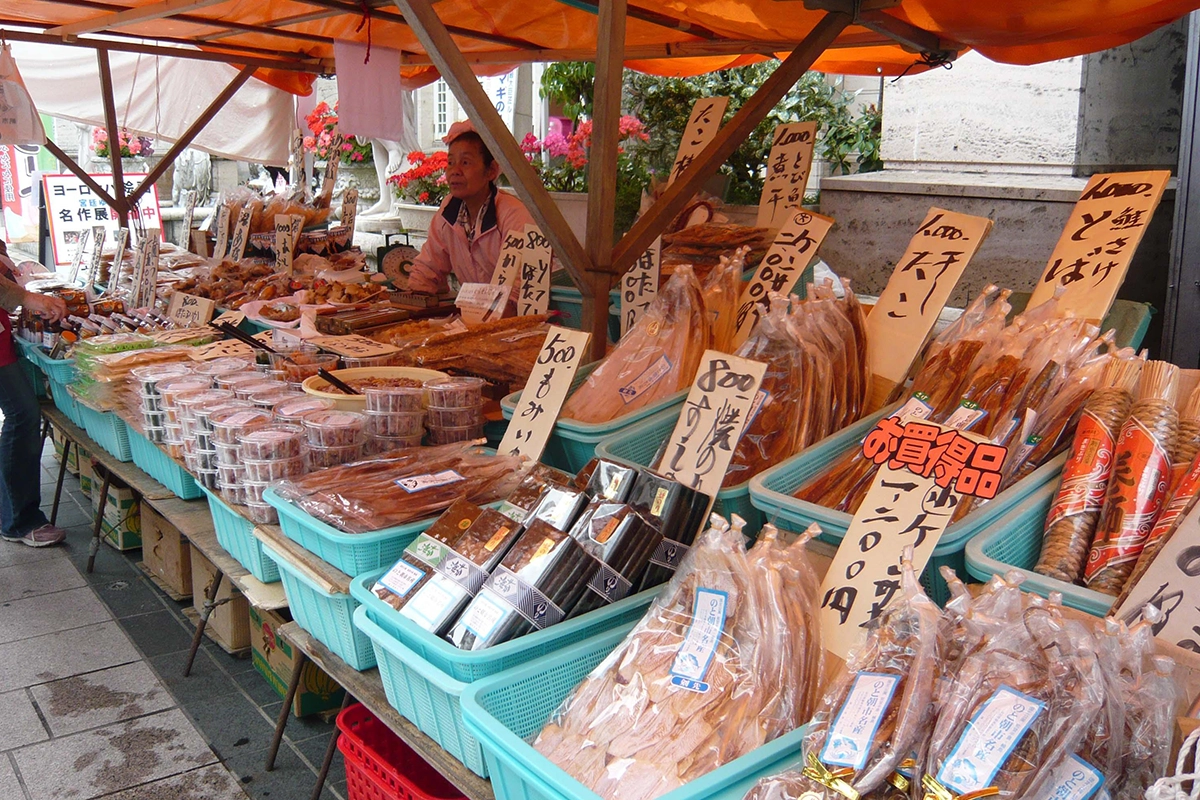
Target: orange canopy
294	38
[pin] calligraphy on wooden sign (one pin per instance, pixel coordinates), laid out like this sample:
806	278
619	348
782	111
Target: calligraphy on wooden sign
228	347
350	210
534	293
146	289
544	393
353	346
222	222
283	244
77	259
98	237
189	311
702	125
118	267
508	264
1103	232
241	234
296	157
189	214
1170	583
788	168
234	318
639	285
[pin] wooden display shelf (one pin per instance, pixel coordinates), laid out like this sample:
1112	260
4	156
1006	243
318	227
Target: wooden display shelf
367	688
127	471
316	569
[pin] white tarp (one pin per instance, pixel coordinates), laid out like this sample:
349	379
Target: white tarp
160	97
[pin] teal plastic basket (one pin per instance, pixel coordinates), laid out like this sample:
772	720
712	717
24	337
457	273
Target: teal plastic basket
236	534
352	553
65	402
572	444
158	465
59	370
507	711
31	368
567	300
107	430
328	617
1014	542
771	492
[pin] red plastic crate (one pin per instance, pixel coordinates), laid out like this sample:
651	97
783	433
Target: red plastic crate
379	766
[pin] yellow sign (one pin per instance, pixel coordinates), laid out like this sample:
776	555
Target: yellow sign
544	392
703	124
788	169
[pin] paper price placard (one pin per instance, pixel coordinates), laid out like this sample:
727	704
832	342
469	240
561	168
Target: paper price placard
1099	240
228	347
639	286
283	244
788	168
296	157
916	293
534	293
189	311
222	222
234	318
715	414
189	214
508	264
350	210
794	246
118	264
98	237
481	302
77	259
703	124
241	234
545	392
353	346
146	289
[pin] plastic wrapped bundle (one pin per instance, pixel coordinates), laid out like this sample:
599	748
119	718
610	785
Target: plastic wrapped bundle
726	659
722	290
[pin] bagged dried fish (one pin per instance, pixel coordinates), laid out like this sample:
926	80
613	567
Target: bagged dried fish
419	560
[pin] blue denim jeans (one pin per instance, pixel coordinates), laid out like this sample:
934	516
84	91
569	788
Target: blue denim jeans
20	454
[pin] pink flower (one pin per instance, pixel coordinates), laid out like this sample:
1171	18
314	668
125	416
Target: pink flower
556	145
309	142
135	146
357	157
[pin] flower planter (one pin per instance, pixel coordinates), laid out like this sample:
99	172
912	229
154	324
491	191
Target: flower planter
413	217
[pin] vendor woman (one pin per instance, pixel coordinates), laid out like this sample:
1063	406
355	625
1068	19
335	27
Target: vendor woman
466	235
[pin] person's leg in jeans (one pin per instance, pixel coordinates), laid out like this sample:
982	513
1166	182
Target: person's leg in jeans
21	462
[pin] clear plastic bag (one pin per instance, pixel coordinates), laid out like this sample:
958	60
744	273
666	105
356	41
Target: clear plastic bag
722	290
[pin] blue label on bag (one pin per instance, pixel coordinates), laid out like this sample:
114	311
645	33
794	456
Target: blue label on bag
700	644
1074	779
850	736
991	735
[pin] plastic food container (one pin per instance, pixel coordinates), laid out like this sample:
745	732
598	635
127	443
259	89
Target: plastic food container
324	457
261	513
186	405
275	469
456	392
222	366
454	417
237	379
396	424
301	370
269	399
254	490
152	419
335	428
202	416
245	390
276	440
408	399
207	460
231	474
373	361
452	435
151	402
171	390
192	462
229	425
228	454
300	353
207	478
385	444
295	409
149	376
231	492
173	432
154	434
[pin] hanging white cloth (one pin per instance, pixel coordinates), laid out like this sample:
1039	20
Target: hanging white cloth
370	97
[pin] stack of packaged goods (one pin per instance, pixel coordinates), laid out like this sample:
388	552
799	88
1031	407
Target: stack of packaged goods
455	410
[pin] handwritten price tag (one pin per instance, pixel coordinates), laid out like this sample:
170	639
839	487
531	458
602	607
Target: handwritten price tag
545	392
189	214
534	296
481	302
703	124
222	222
350	210
283	244
189	311
787	173
98	237
354	346
77	259
639	286
241	234
508	264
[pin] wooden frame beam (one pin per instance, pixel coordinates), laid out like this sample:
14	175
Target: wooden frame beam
165	8
121	205
455	70
80	172
652	17
391	16
908	36
273	27
651	224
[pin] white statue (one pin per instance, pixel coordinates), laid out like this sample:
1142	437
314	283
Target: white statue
392	157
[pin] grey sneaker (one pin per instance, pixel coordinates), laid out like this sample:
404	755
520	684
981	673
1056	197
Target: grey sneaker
40	537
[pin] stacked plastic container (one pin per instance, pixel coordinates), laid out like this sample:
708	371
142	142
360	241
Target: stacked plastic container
395	417
455	410
269	453
148	378
335	437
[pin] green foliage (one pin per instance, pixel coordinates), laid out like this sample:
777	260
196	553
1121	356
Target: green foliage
570	84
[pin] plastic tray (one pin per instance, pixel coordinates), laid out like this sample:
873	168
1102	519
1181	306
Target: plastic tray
352	553
379	766
1014	541
567	300
572	444
326	616
65	402
771	492
236	534
158	465
424	676
59	370
107	430
505	710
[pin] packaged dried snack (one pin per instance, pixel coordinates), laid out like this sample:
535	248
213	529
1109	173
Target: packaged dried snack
425	554
722	290
607	480
621	542
529	491
675	510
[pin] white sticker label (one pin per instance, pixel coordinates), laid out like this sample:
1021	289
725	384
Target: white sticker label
484	614
759	400
650	376
419	483
850	736
429	604
966	415
991	735
1074	779
700	645
916	408
401	578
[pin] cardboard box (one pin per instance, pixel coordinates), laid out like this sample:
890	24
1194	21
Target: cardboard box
72	459
122	526
87	473
275	659
166	553
229	624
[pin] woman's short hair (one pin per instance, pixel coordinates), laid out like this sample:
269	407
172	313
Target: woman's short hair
472	136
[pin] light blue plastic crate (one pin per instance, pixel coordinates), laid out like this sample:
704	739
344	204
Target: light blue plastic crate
107	430
572	444
771	492
158	465
236	534
59	370
506	712
567	300
65	402
1014	541
352	553
328	617
32	368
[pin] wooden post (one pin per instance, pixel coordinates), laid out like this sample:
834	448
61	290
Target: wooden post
121	205
651	224
602	169
455	70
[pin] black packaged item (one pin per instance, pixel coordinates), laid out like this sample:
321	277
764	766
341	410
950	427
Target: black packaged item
558	507
458	573
677	511
610	481
621	542
416	565
530	490
536	586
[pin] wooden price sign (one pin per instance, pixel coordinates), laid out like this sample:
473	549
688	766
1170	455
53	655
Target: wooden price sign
98	237
718	408
544	393
283	244
639	286
703	124
353	346
228	347
241	234
508	264
189	311
788	169
1170	583
189	214
234	318
924	470
481	302
146	289
118	267
534	293
350	210
916	293
331	166
77	258
1099	240
296	171
794	246
222	222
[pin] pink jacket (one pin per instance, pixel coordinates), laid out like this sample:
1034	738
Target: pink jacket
447	250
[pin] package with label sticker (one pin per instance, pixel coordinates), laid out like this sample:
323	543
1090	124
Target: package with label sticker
558	507
530	490
606	480
535	586
677	511
460	572
726	659
622	543
421	558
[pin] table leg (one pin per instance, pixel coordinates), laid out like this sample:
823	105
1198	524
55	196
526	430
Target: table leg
286	711
45	432
210	603
329	751
62	471
97	526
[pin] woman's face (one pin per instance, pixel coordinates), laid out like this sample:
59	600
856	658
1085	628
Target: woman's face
466	173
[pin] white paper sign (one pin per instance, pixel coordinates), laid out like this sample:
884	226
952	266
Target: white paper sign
481	302
788	168
241	234
703	124
98	237
639	286
72	207
544	392
85	236
189	214
189	311
534	294
146	288
1171	582
234	318
353	346
222	222
508	264
283	244
350	210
